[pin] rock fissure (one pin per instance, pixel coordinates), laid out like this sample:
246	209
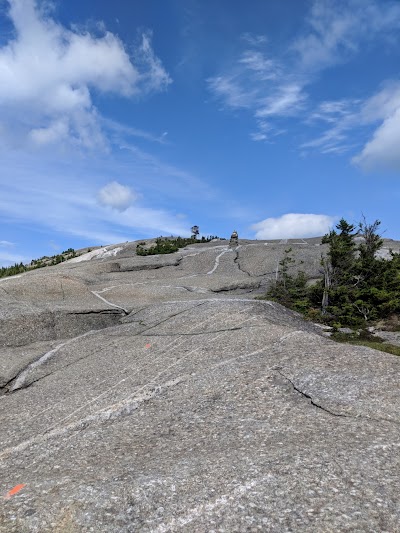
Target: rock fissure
170	316
9	387
99	312
309	397
237	263
238	286
149	266
200	332
332	413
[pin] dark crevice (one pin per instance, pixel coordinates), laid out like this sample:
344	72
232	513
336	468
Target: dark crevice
305	395
5	389
30	383
237	263
170	316
150	266
238	286
133	313
116	311
263	274
332	413
200	332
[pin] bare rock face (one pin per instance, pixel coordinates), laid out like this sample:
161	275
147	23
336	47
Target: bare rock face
156	394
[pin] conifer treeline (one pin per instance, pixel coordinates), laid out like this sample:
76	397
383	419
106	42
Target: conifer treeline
357	286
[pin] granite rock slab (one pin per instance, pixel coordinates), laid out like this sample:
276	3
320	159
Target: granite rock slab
157	395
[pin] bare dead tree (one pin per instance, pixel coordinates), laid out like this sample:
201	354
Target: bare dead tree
327	271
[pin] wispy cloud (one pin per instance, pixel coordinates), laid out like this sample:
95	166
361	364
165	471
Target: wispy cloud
264	69
253	40
258	84
32	200
232	92
349	123
339	118
120	196
175	181
118	132
48	73
278	86
287	99
335	30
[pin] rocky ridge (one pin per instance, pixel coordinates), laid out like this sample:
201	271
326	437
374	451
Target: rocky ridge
155	394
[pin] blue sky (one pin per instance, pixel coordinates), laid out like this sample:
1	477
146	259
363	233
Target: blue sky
125	120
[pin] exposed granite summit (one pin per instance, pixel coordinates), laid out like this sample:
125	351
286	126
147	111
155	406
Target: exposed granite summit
155	394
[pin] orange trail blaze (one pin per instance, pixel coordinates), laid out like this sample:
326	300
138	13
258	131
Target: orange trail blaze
15	490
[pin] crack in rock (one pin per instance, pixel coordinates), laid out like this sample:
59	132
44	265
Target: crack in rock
237	262
150	266
326	410
121	409
239	286
98	312
305	395
19	381
199	332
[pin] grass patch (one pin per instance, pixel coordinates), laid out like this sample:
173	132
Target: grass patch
370	341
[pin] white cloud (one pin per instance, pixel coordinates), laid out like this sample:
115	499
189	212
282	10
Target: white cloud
292	226
48	73
57	131
120	131
336	29
254	60
287	100
341	116
253	40
228	89
276	86
117	196
153	77
258	136
60	194
257	83
348	119
383	104
6	243
382	150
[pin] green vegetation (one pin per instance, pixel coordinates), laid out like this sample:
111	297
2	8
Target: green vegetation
364	338
357	287
12	270
168	246
44	261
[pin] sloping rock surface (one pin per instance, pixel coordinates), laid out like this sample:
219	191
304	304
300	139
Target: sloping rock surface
155	394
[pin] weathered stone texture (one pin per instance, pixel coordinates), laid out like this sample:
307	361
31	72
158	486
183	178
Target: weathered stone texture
158	395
